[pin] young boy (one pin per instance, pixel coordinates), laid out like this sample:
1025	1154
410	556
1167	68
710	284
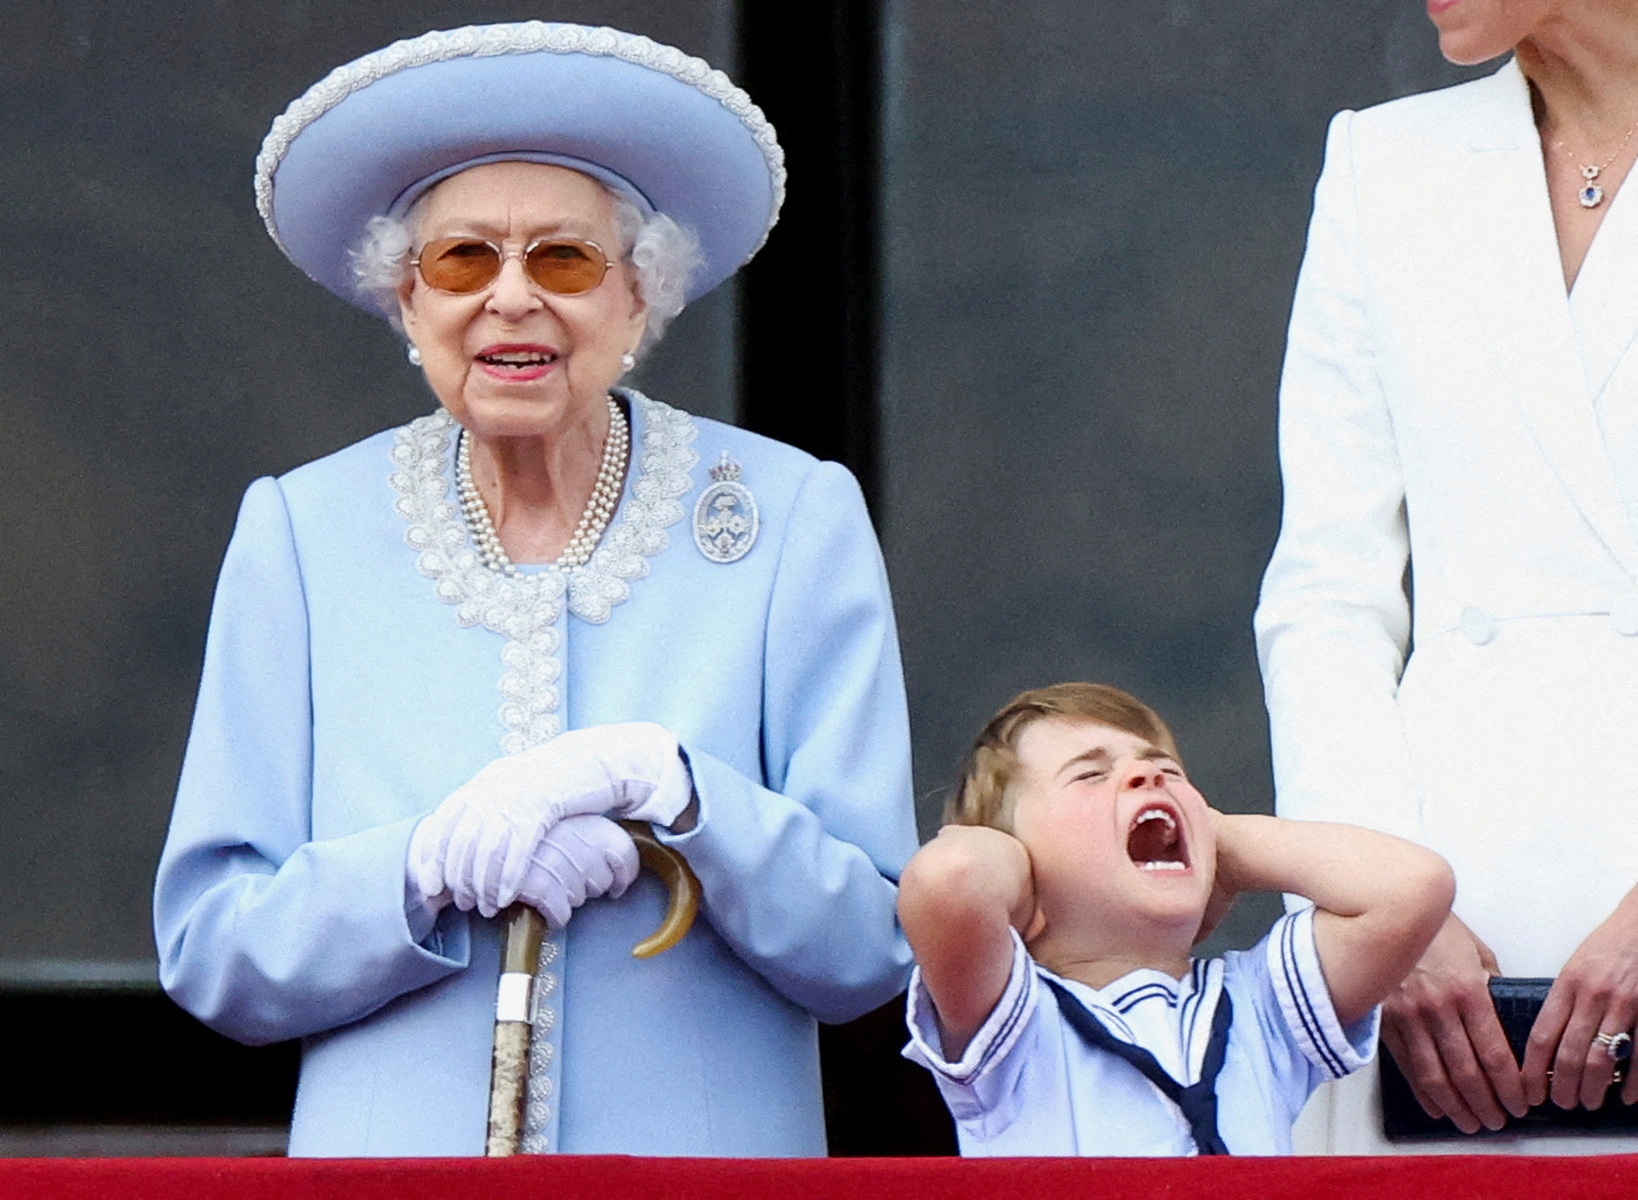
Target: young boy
1055	999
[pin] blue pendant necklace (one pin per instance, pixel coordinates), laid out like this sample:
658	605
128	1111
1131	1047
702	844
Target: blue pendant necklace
1590	193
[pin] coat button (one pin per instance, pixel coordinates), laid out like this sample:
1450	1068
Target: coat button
1476	626
1624	616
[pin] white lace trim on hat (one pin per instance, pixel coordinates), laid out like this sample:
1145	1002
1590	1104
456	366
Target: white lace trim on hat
524	609
526	37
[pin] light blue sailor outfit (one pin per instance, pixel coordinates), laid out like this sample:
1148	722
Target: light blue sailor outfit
362	663
1028	1084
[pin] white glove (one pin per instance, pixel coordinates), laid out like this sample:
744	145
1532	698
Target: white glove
579	859
477	844
468	815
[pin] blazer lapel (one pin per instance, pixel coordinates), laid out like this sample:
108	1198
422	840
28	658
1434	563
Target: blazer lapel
1604	304
1506	241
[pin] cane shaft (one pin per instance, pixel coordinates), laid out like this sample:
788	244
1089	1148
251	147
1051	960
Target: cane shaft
509	1068
525	930
508	1088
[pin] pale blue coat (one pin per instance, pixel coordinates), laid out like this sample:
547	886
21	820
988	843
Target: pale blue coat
354	677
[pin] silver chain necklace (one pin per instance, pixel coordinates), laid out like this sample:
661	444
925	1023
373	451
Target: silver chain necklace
605	498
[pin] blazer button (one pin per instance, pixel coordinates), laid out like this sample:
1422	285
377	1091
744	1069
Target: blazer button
1476	626
1624	616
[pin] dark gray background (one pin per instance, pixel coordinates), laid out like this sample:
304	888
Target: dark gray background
1094	214
1091	216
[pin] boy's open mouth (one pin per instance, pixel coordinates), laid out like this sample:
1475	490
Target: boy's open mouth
1155	841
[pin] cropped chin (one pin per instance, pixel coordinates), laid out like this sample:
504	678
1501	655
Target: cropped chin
493	413
1469	36
1465	50
1178	905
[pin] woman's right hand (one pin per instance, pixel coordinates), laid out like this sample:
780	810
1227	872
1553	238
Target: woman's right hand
477	843
1442	1030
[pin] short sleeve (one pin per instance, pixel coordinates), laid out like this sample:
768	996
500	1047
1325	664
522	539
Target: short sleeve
983	1088
1306	1042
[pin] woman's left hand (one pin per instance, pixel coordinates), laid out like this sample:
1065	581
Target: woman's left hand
579	859
1595	993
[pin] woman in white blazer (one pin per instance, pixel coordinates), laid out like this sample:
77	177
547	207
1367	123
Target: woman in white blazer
1459	419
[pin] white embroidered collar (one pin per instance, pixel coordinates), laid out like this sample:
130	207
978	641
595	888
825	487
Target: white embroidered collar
524	609
445	553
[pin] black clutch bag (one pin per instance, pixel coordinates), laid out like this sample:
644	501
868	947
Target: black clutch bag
1517	1002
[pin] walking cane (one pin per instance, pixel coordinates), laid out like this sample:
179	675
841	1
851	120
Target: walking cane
509	1074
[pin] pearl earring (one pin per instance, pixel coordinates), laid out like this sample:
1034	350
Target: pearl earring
627	361
413	353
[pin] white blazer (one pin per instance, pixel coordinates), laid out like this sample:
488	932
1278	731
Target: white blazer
1445	406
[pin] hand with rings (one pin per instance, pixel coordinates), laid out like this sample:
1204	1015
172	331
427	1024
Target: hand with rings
1619	1047
1581	1043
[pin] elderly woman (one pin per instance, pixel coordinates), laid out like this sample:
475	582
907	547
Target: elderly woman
1461	397
441	660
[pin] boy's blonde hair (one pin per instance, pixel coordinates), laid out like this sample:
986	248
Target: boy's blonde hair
982	797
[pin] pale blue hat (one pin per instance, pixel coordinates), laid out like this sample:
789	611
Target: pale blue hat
648	120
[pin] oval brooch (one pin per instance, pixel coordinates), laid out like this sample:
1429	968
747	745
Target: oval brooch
725	517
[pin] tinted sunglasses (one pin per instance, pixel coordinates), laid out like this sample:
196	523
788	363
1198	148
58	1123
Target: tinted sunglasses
561	266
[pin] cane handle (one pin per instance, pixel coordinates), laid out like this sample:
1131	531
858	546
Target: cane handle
680	882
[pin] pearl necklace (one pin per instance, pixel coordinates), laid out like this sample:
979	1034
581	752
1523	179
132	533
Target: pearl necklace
605	498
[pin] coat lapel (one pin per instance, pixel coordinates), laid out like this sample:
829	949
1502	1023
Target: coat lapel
1507	243
1604	308
1604	304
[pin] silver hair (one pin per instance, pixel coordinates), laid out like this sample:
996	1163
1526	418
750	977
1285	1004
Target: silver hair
663	254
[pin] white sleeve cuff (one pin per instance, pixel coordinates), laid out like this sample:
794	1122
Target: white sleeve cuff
1305	1001
995	1037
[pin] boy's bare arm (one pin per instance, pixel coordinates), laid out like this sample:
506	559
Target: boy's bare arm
958	898
1380	899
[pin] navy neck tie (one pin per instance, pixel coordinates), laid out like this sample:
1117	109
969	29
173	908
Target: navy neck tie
1198	1101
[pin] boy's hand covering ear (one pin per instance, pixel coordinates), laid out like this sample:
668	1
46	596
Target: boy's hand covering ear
1224	889
997	859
